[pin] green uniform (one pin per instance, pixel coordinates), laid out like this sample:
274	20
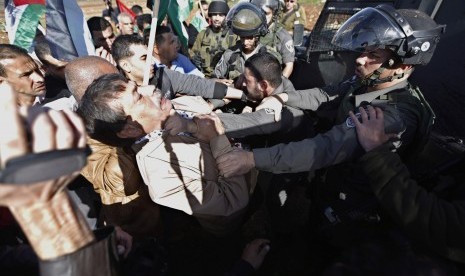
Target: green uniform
296	16
231	64
210	46
281	41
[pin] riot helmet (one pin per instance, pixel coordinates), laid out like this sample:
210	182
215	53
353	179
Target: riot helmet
411	34
217	6
246	19
274	5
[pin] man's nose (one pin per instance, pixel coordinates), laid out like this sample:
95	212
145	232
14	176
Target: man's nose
37	77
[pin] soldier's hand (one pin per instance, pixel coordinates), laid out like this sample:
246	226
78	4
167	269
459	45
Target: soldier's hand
255	252
236	162
176	124
370	132
209	126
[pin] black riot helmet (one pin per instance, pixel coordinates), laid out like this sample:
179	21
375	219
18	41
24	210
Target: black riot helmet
218	7
246	19
411	34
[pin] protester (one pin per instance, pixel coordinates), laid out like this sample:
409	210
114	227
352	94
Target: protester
137	10
166	53
111	170
125	24
144	121
22	73
130	53
143	22
102	37
57	95
102	32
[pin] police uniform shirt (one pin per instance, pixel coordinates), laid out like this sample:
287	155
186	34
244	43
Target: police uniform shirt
284	44
337	145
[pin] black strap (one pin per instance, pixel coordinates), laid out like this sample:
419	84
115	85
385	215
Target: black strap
37	167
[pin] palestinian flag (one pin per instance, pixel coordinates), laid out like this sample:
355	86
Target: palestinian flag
22	18
123	8
67	31
177	11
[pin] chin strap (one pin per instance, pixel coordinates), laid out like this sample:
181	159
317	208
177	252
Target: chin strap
374	80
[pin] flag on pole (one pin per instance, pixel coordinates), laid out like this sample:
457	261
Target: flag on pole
67	31
123	8
177	11
21	20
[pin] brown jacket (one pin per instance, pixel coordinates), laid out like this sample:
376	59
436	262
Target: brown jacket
126	202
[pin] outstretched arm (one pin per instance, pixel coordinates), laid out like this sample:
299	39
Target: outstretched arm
425	217
43	209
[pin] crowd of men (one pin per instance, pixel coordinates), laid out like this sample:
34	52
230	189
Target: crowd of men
218	144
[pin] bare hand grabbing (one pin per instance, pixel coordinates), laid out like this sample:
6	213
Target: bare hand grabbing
236	162
255	252
176	124
209	126
370	132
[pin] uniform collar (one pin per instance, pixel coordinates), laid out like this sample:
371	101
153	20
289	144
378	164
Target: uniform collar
369	97
279	89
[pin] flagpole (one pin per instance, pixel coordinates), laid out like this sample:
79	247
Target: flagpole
201	9
153	28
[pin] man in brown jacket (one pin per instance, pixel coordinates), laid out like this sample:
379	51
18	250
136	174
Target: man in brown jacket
179	170
111	170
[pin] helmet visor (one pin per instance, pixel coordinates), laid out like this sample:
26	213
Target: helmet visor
368	28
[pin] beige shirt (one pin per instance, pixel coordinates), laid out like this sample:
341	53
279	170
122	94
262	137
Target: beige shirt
181	173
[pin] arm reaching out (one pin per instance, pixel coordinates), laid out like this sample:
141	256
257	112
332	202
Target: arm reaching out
43	209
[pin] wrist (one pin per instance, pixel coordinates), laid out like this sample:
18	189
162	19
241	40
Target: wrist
192	127
284	97
251	160
53	227
234	93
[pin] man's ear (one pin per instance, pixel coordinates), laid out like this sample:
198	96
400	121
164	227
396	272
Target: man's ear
126	66
263	84
130	130
155	49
